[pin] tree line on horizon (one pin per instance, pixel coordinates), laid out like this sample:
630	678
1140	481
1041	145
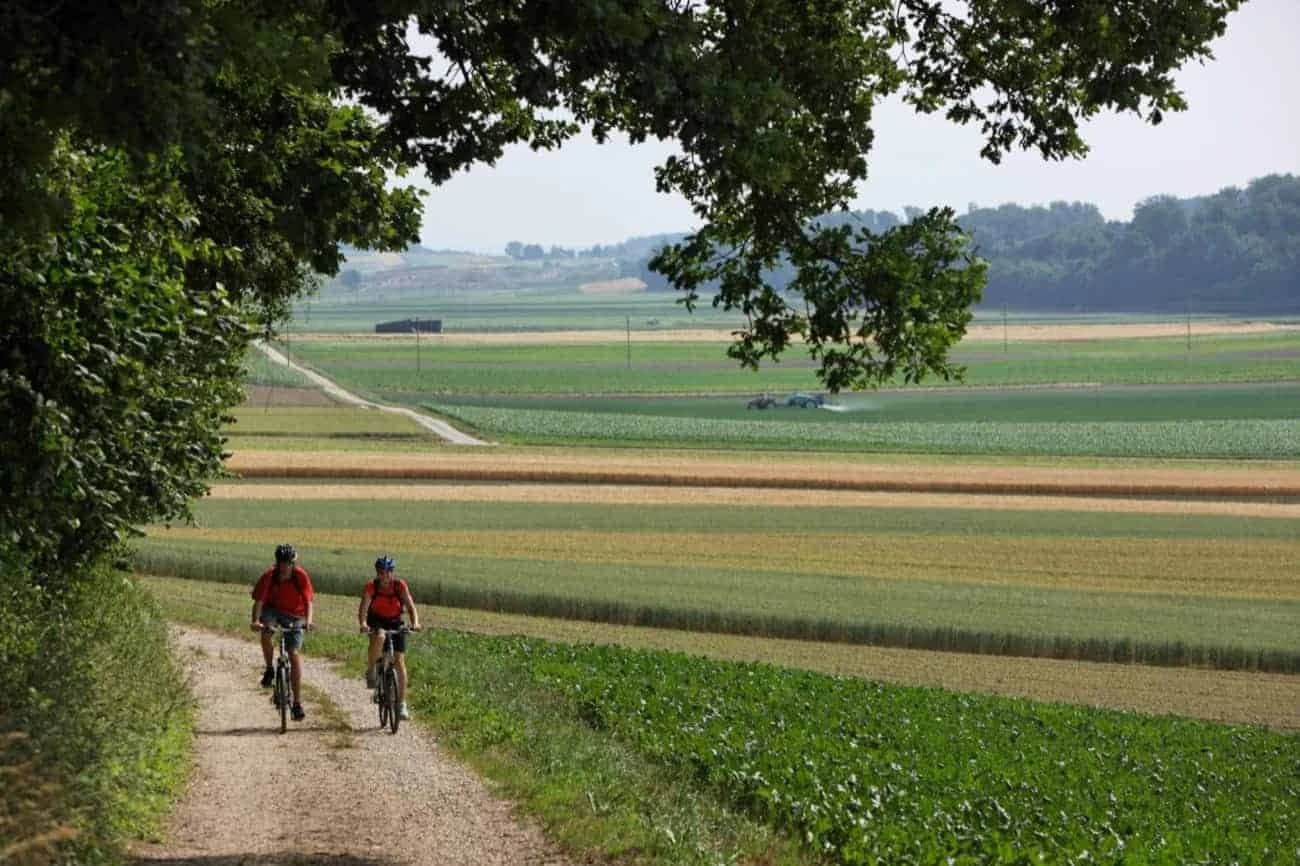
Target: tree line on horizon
1235	251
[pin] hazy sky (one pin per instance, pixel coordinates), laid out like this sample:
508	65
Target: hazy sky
1242	123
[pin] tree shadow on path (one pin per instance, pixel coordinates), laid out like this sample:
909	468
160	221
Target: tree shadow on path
285	859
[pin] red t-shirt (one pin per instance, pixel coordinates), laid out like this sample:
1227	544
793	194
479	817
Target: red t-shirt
290	596
386	602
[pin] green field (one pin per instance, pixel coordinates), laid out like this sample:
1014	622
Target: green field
1161	588
857	771
1230	397
389	367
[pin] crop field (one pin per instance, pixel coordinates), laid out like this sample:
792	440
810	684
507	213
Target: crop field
871	773
280	426
1164	588
518	310
666	367
1233	395
1230	697
858	770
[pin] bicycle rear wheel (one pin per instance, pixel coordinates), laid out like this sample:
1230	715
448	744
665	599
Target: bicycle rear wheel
282	696
381	695
394	704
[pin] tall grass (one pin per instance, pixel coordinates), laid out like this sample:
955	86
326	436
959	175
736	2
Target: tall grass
94	719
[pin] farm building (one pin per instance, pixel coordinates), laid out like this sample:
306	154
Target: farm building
407	326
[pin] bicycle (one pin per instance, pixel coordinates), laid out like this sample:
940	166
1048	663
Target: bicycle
282	692
386	692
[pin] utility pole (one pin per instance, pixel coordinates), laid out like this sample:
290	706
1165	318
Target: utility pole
1187	304
416	324
628	320
1004	327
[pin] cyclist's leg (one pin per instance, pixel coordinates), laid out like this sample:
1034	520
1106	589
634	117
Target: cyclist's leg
400	663
268	649
376	649
295	674
376	645
268	617
293	645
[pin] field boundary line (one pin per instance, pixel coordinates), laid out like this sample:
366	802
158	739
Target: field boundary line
439	428
1154	489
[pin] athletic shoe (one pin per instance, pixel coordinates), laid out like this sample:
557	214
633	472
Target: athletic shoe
268	677
403	713
297	713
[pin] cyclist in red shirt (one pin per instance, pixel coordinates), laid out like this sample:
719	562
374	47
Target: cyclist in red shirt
283	596
382	602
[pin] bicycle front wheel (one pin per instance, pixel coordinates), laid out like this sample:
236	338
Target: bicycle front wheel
394	703
282	696
381	697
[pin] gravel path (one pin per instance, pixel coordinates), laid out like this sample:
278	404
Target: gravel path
319	796
439	428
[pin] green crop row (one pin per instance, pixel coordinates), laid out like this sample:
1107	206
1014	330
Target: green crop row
1249	438
868	773
1231	634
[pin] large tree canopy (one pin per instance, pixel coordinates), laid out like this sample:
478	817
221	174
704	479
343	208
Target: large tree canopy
202	156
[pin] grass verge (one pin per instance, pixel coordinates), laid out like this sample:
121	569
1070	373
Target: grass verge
95	724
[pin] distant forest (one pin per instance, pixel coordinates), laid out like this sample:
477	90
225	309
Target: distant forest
1237	251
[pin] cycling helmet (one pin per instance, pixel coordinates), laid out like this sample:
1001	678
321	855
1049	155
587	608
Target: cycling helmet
385	563
285	553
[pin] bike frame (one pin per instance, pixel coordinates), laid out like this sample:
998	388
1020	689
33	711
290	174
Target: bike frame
281	694
386	679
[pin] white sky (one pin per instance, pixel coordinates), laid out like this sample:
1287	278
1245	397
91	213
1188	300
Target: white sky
1242	123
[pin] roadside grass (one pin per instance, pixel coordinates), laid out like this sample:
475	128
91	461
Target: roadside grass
635	754
592	793
1223	696
323	423
95	724
290	441
261	370
1163	589
335	720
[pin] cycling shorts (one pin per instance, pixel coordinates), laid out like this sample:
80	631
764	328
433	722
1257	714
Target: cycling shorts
375	621
292	639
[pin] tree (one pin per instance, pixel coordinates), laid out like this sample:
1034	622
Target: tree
272	127
515	250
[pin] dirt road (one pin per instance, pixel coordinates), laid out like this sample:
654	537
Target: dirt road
327	793
339	394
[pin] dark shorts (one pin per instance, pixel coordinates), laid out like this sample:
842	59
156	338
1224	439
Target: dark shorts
292	639
374	621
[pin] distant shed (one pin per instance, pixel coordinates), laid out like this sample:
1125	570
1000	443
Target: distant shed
407	326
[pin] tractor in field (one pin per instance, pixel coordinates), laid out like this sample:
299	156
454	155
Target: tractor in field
799	400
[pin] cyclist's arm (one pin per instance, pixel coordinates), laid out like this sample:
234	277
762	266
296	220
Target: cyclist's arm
257	614
311	606
363	609
409	604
